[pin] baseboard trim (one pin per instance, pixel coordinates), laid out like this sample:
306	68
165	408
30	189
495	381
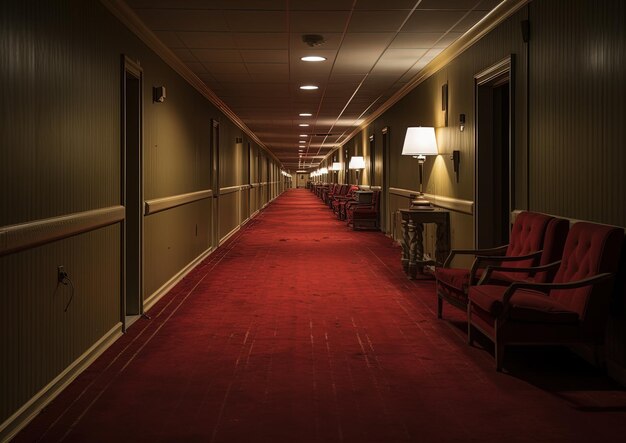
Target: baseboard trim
168	285
26	413
229	235
254	214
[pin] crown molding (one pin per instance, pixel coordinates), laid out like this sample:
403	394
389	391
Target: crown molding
127	16
504	10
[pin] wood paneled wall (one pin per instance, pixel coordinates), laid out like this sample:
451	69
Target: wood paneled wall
60	136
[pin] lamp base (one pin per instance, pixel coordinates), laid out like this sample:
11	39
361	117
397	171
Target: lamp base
421	203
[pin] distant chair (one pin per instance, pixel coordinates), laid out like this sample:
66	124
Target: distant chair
535	239
364	215
572	309
339	202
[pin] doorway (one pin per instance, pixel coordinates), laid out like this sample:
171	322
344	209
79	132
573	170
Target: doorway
132	192
494	154
215	183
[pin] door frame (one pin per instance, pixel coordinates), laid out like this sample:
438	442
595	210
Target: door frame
504	66
215	182
132	67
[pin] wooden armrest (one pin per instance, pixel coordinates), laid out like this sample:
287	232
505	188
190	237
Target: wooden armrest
544	287
483	252
480	261
531	269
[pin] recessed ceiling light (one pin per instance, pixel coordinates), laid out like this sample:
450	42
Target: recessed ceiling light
303	135
304	125
305	114
313	58
302	141
308	87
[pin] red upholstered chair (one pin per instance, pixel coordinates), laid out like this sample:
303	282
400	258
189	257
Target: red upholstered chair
535	239
328	192
340	201
339	191
364	214
572	309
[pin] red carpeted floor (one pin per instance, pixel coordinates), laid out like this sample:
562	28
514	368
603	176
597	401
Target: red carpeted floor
300	330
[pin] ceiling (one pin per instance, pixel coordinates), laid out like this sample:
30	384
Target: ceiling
248	53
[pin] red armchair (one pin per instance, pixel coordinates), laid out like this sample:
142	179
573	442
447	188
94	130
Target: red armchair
363	214
535	239
340	201
572	309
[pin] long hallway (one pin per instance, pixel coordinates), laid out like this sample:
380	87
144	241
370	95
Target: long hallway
300	330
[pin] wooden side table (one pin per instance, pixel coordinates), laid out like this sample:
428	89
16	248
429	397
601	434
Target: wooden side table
413	238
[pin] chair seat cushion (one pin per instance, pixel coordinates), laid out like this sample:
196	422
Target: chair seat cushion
526	305
453	278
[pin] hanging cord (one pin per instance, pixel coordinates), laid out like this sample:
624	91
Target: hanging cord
65	280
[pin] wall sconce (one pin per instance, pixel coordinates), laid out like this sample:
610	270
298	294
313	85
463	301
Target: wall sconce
158	94
461	122
418	143
357	163
456	159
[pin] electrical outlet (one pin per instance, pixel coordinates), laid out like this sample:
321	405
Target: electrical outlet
61	274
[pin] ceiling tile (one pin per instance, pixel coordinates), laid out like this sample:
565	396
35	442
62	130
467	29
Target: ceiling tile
217	55
170	38
408	40
259	40
270	77
184	54
197	68
317	22
469	21
377	21
432	21
331	41
265	56
327	5
387	4
182	19
268	68
225	68
207	40
448	39
397	60
448	4
360	51
256	21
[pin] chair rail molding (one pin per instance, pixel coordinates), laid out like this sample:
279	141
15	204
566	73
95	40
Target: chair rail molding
15	238
161	204
441	201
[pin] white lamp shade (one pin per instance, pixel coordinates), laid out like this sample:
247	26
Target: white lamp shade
420	141
324	170
356	162
336	166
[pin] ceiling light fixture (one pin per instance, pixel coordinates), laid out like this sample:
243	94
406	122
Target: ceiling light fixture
313	58
309	87
303	125
305	114
302	141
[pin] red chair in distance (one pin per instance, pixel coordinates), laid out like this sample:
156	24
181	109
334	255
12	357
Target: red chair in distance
340	201
573	309
363	215
535	239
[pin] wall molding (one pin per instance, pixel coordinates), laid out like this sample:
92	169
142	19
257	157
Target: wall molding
15	238
162	204
516	212
441	201
128	17
33	407
230	234
230	189
168	285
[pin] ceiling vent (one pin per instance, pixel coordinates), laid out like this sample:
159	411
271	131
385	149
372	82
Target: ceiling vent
313	40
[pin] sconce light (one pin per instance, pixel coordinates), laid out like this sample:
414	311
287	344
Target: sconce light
418	143
461	122
158	94
357	163
456	159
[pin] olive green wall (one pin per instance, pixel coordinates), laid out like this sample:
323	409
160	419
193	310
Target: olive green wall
60	65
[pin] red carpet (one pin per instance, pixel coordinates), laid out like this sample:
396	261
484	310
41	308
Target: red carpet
300	330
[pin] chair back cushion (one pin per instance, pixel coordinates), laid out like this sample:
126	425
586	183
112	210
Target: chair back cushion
590	249
526	237
553	244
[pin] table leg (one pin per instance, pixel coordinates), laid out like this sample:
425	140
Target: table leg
442	245
405	245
